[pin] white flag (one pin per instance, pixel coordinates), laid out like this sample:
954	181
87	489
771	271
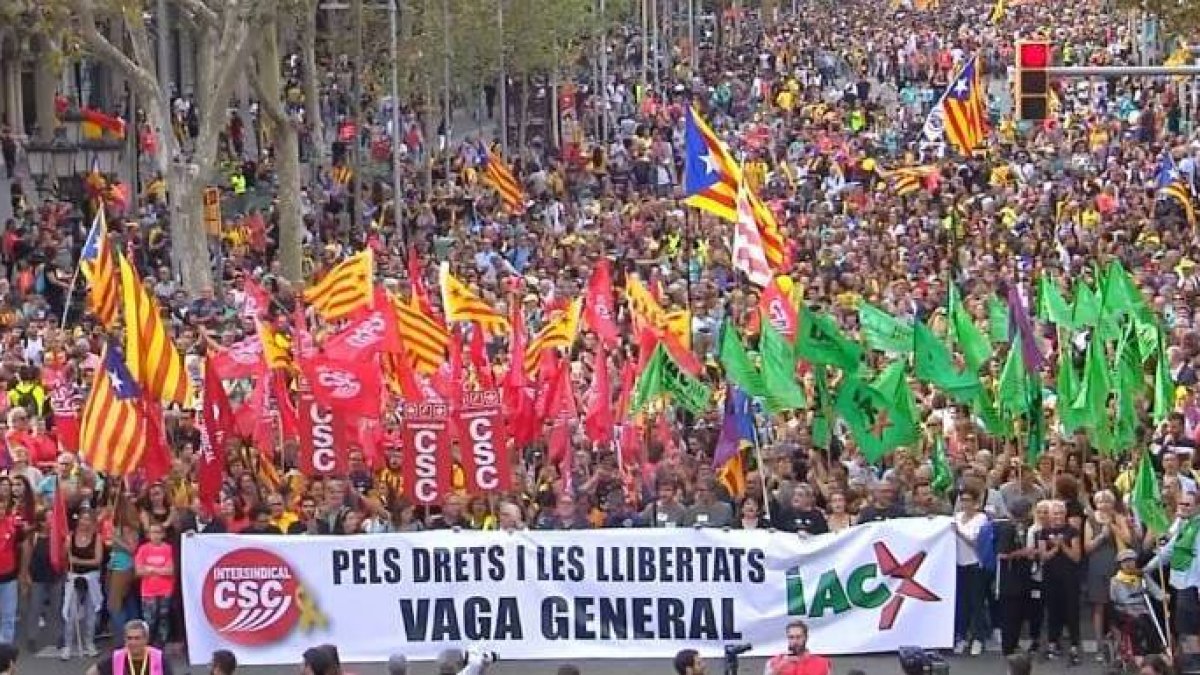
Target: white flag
748	253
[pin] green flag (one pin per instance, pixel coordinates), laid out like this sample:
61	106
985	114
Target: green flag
663	377
1067	386
1051	306
1035	435
883	331
1147	338
737	364
1091	402
1119	293
984	407
893	383
1164	384
1011	392
943	477
933	363
1147	500
876	424
1129	377
997	319
821	343
822	427
1085	311
971	342
779	372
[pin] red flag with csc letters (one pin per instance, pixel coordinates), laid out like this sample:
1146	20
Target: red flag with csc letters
318	447
483	441
427	466
351	388
240	360
599	312
372	333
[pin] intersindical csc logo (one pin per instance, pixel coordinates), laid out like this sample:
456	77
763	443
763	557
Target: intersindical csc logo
868	586
251	597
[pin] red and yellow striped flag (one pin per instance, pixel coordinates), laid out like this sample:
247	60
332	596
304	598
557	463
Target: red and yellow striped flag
559	333
345	288
100	271
113	435
154	362
497	174
462	304
425	337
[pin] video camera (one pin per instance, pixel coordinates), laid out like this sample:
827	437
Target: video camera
918	661
732	652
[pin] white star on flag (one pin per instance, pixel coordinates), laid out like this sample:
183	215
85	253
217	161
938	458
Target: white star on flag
710	163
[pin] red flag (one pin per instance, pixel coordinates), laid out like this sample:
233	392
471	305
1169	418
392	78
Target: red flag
481	425
559	406
303	344
479	360
427	442
156	462
598	309
351	388
240	360
258	301
598	423
281	394
519	403
371	439
374	331
60	529
448	379
400	375
629	373
776	307
252	408
416	281
318	456
216	419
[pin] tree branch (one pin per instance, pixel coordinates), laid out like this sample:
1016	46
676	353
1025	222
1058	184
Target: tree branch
136	73
202	14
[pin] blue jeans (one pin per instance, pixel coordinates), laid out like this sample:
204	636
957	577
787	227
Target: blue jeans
8	611
970	615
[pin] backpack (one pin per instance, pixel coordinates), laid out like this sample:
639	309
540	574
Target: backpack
985	546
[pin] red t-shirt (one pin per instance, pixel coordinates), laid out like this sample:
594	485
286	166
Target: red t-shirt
155	555
805	664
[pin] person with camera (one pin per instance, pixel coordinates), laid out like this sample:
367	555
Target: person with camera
798	660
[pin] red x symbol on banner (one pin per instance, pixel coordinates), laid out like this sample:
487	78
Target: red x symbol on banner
909	586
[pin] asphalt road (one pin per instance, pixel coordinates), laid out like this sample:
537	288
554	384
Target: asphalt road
988	664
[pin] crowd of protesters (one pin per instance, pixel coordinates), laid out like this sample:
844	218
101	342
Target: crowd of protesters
814	105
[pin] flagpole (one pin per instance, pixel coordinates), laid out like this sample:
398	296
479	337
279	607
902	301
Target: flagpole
70	294
762	475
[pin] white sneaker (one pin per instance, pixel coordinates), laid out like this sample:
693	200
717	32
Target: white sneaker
960	647
90	650
65	653
976	648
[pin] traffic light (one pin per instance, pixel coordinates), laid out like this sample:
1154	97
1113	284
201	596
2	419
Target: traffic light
1033	80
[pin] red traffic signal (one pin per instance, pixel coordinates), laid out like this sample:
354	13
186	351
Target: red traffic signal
1033	80
1033	55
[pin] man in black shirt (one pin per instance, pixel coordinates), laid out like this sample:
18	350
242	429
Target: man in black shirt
883	505
803	516
260	522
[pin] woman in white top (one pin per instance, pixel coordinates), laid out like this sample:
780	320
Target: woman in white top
970	620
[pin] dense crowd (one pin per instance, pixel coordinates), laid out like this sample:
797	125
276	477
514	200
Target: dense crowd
819	108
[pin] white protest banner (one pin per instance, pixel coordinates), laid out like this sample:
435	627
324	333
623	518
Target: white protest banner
594	594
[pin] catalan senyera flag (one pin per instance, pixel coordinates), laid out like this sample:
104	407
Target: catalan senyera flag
645	308
963	109
113	436
710	183
425	338
100	270
558	333
1179	192
277	348
345	288
460	303
154	362
497	174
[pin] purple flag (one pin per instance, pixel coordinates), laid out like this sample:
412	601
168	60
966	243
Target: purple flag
1021	326
736	426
